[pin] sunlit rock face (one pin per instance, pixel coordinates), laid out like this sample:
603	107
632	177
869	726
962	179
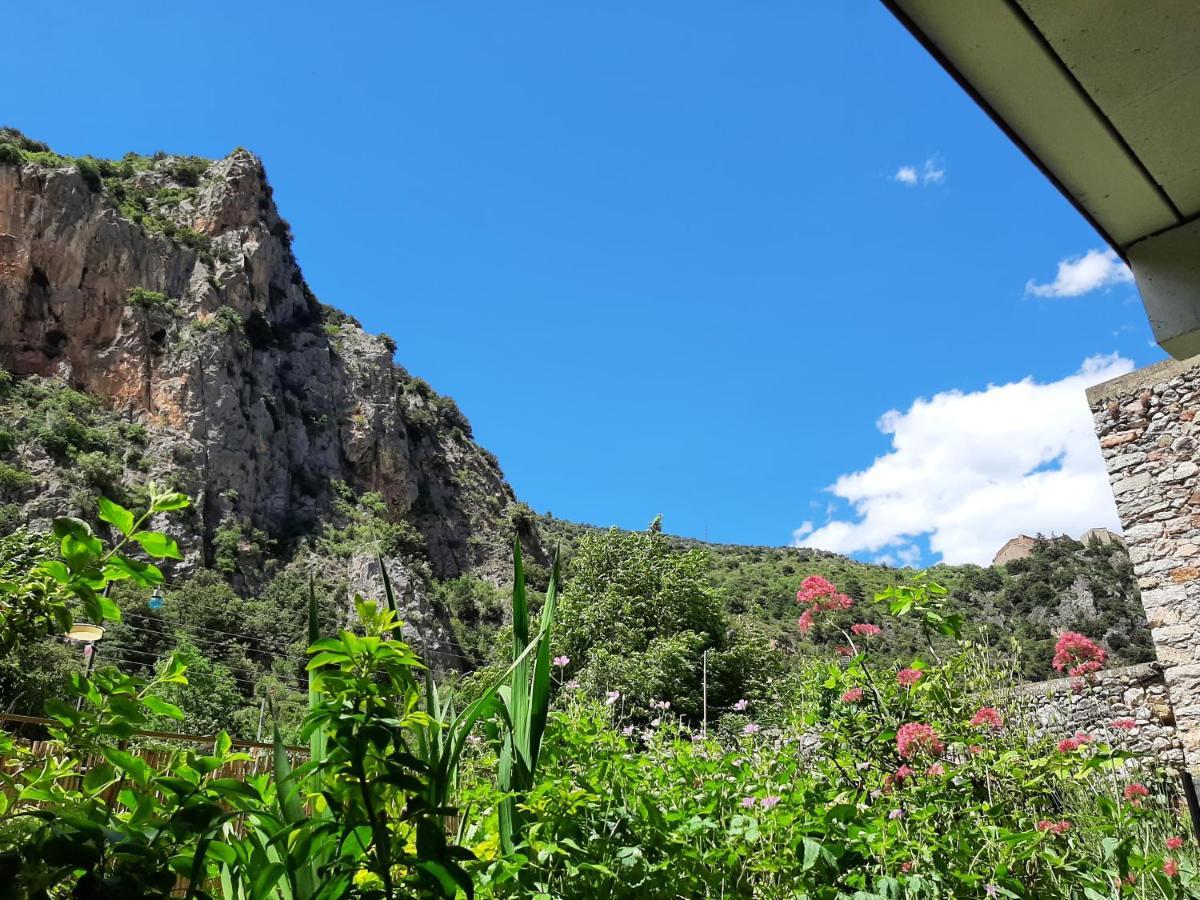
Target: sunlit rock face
196	322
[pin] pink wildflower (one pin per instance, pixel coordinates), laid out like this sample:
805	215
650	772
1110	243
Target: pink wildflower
611	697
935	770
814	586
975	749
627	731
1077	654
1068	745
906	866
843	650
741	704
819	595
916	737
770	802
987	717
896	814
1083	738
1174	843
854	695
747	802
909	677
865	629
561	661
1054	827
751	728
1170	868
1135	792
1125	724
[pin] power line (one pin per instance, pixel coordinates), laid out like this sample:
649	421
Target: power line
184	625
219	644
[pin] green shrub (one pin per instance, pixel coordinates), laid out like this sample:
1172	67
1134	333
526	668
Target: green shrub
150	301
100	470
13	479
10	155
90	171
937	784
187	169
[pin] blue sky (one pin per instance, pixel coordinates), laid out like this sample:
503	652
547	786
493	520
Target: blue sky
658	253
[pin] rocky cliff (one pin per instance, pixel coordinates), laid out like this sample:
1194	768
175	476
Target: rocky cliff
167	287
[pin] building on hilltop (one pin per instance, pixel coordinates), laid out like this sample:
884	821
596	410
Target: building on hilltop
1022	545
1014	548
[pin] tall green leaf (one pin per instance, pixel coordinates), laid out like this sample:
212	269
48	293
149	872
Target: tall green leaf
317	740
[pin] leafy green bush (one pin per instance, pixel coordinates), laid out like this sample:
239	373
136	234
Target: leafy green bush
10	155
636	617
930	781
363	817
13	479
90	171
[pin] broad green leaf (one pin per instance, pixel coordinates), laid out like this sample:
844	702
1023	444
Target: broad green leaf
168	502
116	515
119	568
161	707
158	545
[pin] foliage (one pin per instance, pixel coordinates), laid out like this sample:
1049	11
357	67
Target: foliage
524	703
874	786
92	819
74	430
1016	609
46	598
151	301
363	523
637	617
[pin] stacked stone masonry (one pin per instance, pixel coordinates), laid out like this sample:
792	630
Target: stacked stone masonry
1061	708
1148	430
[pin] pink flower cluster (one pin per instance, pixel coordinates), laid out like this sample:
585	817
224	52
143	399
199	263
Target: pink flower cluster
908	677
987	717
1054	827
854	695
865	629
1071	744
1135	792
1125	724
819	595
1078	655
914	738
1174	843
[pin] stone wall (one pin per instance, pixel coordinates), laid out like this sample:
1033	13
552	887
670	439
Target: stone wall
1135	692
1146	423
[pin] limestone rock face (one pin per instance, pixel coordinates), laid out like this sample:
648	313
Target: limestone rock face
259	396
426	626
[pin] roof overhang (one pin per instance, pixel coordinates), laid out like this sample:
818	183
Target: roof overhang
1103	97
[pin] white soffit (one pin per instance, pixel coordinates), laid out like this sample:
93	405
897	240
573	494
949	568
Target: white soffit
1103	95
1140	64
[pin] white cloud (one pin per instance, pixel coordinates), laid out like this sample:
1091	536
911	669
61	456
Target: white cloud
803	531
930	172
971	470
1082	274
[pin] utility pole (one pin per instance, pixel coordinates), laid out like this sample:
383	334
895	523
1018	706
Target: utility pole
704	696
